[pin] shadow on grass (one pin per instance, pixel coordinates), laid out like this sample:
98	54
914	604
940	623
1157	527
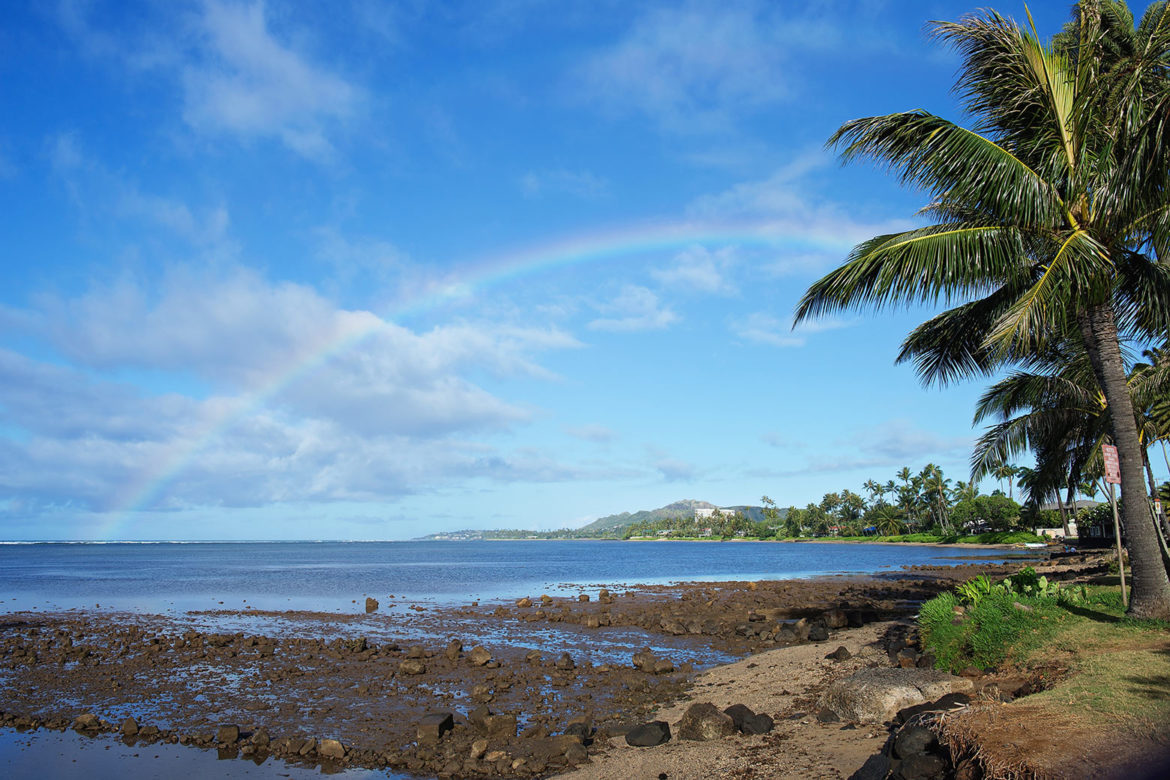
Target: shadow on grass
1154	687
1095	615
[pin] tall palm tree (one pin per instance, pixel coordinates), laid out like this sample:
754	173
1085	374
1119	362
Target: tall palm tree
1006	471
1052	213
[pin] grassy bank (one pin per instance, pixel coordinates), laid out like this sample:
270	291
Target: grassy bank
1103	675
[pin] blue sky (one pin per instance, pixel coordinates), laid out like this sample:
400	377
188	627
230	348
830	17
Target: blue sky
372	270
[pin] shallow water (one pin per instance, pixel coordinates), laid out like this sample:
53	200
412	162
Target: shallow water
334	576
55	754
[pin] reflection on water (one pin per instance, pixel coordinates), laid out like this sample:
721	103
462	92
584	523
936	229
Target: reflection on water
42	753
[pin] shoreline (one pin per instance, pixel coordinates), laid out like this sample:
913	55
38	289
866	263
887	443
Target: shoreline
304	677
294	689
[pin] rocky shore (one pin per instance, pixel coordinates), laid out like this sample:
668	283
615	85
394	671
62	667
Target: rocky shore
480	694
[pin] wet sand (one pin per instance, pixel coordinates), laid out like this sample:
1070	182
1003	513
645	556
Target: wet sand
554	679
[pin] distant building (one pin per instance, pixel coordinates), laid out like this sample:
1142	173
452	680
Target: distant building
703	513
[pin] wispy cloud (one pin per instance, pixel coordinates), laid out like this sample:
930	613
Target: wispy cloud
249	83
763	328
694	67
701	269
634	309
580	184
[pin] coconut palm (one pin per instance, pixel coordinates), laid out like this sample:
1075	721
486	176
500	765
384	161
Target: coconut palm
1052	213
1004	471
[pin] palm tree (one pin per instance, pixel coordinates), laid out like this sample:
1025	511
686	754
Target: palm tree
1052	214
1004	471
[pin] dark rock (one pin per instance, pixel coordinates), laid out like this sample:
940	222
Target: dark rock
649	734
840	654
758	724
926	661
817	632
738	714
907	658
923	766
949	702
371	604
228	734
828	716
432	727
565	662
479	656
260	737
703	721
454	648
129	727
912	740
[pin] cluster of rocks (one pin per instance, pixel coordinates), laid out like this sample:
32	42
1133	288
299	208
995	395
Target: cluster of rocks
702	721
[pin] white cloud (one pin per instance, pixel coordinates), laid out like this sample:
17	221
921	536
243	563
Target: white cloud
308	402
675	470
696	67
581	184
786	202
763	328
634	309
699	268
248	83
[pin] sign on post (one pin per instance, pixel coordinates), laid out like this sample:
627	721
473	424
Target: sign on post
1112	466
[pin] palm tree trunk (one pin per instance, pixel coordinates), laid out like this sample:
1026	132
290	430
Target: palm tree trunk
1065	513
1151	586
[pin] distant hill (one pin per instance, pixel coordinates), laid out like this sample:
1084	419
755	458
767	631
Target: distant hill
619	522
611	526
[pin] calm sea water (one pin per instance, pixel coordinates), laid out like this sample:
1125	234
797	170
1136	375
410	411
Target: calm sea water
166	577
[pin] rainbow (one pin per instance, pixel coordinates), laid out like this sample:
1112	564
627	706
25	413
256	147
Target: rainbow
466	281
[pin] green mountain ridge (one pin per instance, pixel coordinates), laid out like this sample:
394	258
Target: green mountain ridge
608	527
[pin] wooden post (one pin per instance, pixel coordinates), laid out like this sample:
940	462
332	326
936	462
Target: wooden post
1117	533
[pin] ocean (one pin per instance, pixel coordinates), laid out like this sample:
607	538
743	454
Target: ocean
167	577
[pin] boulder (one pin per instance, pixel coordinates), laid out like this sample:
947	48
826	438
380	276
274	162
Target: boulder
331	748
703	721
500	726
876	695
87	722
129	727
912	740
817	632
454	648
432	727
649	734
228	734
371	604
758	724
840	654
738	714
478	748
479	656
524	603
565	662
412	666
